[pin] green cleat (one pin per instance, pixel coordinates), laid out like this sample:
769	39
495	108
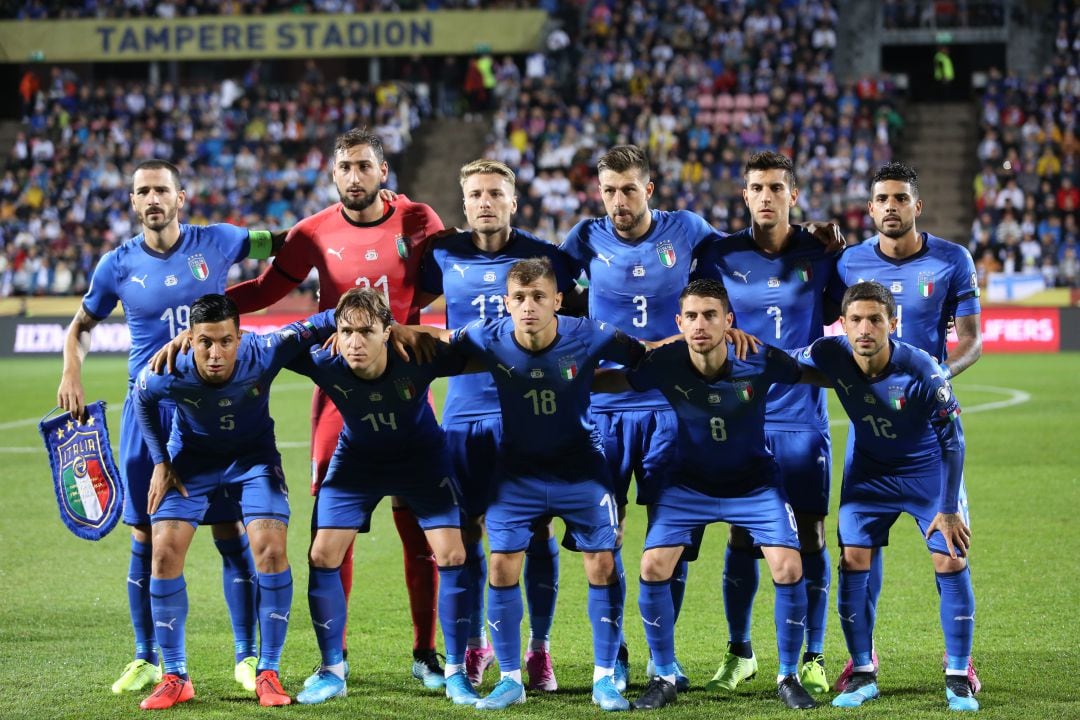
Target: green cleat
137	675
733	671
244	673
812	676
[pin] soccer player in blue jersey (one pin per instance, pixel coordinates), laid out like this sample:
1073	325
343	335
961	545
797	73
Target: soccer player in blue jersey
469	268
391	445
908	456
933	281
220	437
156	276
776	275
724	472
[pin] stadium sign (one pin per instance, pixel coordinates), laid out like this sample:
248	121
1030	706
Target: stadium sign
446	32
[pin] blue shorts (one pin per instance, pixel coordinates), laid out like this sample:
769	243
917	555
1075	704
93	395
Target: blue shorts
473	451
639	443
253	483
804	457
681	510
869	505
520	498
354	486
136	468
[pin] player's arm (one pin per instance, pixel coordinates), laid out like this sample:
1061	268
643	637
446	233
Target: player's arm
610	380
969	347
948	521
70	395
147	392
828	234
263	244
810	373
288	270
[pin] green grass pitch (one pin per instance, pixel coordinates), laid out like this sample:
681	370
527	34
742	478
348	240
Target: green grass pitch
64	633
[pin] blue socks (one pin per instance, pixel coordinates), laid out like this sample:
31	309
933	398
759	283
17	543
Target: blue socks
658	616
678	586
957	617
877	574
857	615
505	610
476	569
818	574
275	603
740	587
169	605
326	601
238	580
138	590
541	585
454	605
789	614
605	606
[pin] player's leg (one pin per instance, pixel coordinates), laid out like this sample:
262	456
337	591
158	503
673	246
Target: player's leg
740	583
239	581
422	582
454	604
268	540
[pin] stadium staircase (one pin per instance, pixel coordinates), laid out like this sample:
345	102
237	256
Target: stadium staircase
940	141
429	171
9	130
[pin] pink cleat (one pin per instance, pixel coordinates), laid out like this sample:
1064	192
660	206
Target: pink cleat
972	673
845	675
541	674
477	661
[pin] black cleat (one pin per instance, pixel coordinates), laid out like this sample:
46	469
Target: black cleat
658	693
794	694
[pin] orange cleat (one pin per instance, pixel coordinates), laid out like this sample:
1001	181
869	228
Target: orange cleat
172	690
268	688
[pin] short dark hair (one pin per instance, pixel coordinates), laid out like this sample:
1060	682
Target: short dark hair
360	136
896	171
527	272
623	158
869	290
158	164
213	308
706	288
367	302
769	160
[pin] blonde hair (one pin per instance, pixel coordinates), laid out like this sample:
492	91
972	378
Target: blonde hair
486	167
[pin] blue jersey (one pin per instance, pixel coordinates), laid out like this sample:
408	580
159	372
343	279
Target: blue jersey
544	395
721	448
932	286
636	285
157	289
474	284
780	299
904	419
387	419
228	419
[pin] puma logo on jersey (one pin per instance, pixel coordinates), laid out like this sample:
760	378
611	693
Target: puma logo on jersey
140	280
685	393
189	401
606	260
460	269
343	391
846	388
744	276
506	370
336	253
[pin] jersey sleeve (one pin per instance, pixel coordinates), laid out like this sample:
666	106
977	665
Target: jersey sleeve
294	260
149	388
472	338
448	360
233	241
296	338
944	418
291	265
577	249
699	231
565	269
964	285
781	367
645	376
838	286
101	297
431	275
615	345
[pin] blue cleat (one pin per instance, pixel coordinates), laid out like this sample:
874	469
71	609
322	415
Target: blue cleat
861	688
315	674
959	693
460	690
426	669
607	696
682	682
325	686
622	674
506	692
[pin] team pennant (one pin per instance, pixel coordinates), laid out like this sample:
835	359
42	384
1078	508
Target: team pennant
87	484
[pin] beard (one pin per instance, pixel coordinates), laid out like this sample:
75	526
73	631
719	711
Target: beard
159	221
359	204
899	231
623	225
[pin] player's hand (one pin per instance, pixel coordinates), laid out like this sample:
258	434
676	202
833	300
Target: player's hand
162	481
828	234
331	345
742	342
957	534
70	396
387	195
403	338
164	360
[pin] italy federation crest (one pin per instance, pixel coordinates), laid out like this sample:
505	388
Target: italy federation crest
744	389
402	244
198	266
568	367
666	251
87	485
804	271
926	284
897	399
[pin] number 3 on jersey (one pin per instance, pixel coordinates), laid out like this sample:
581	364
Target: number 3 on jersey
641	304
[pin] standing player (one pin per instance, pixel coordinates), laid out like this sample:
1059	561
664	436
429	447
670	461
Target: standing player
470	269
156	276
391	445
776	275
908	456
933	281
637	260
221	438
725	472
362	241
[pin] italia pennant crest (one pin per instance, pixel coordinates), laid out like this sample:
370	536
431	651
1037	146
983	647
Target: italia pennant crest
88	490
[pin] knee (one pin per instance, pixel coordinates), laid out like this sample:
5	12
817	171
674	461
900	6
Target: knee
451	556
654	569
855	559
600	568
788	569
324	557
946	564
167	559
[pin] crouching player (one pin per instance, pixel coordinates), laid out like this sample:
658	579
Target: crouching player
908	456
391	445
725	473
222	437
